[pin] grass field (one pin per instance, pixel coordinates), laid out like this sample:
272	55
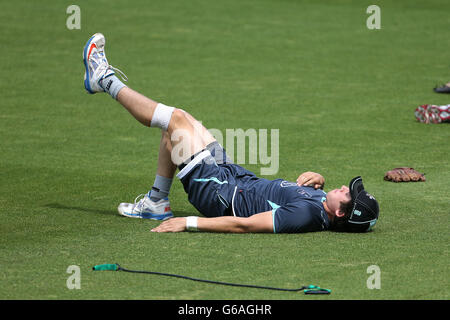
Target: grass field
341	95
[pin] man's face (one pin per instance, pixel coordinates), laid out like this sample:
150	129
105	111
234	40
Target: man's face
336	197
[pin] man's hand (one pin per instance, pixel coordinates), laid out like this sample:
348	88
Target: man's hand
171	225
311	179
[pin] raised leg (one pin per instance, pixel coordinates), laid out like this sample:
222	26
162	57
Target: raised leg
185	134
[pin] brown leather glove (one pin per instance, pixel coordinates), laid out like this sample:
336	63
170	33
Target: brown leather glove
404	174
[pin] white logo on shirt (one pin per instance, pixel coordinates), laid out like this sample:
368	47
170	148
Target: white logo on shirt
285	184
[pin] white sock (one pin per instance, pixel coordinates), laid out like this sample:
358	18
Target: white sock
160	188
161	116
112	85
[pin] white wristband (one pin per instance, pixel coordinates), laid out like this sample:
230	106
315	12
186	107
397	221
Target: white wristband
191	223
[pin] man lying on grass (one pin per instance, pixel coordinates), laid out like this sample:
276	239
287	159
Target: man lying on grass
231	198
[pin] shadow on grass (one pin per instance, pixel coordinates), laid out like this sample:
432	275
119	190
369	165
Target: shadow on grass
74	208
110	212
177	213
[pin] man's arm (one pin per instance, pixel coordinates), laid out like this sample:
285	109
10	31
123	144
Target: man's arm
260	222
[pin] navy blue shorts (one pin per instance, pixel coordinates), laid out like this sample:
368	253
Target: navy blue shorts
211	180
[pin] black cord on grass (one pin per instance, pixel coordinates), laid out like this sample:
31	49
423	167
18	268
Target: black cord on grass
312	289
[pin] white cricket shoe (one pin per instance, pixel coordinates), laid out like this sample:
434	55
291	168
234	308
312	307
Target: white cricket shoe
146	208
96	65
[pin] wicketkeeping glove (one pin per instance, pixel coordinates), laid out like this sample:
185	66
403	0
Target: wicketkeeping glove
404	174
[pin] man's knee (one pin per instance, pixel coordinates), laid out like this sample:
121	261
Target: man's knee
178	115
177	119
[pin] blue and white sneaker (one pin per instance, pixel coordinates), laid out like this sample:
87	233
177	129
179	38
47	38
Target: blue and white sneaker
145	208
96	65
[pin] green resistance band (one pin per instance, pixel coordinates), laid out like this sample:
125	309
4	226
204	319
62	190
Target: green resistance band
311	289
106	267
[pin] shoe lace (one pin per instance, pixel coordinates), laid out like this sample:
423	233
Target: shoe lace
100	59
119	72
138	203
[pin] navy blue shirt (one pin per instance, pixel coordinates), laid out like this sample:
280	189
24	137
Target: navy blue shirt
295	209
229	189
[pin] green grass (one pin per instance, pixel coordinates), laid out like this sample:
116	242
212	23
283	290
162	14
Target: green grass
341	95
